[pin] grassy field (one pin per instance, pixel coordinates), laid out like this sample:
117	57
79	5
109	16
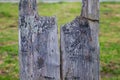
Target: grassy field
65	12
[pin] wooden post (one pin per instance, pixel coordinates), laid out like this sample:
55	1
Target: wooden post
38	44
80	46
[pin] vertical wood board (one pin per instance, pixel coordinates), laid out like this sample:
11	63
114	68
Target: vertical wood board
38	44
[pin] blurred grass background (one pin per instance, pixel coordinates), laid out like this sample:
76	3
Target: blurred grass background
109	35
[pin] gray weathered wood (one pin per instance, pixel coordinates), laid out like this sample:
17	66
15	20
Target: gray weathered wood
80	46
90	9
38	44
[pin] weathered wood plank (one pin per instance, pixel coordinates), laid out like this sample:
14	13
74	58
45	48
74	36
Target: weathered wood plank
38	44
80	46
90	9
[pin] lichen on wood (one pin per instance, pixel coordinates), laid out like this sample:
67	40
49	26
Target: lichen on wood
80	46
38	44
77	51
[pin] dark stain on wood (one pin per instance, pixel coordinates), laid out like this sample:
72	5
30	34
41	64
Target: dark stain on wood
49	78
40	62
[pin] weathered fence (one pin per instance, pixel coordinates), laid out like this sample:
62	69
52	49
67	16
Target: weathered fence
39	54
79	44
51	1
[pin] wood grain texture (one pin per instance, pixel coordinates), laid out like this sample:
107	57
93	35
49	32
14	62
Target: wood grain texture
80	46
38	44
90	9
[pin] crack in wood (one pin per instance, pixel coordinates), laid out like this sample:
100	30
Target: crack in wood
49	78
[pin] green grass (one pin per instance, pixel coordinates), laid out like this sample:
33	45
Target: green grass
109	36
